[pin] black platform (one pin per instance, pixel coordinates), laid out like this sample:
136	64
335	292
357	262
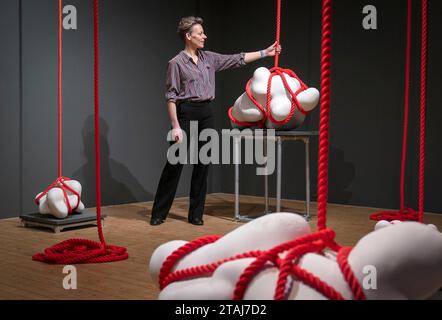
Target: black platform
78	219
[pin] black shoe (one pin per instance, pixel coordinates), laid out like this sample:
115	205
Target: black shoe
197	222
156	221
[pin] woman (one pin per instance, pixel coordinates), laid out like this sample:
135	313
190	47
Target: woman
190	88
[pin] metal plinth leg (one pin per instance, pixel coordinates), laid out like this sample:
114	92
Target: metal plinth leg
266	180
236	162
278	174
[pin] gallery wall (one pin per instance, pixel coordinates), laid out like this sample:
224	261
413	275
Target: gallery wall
137	39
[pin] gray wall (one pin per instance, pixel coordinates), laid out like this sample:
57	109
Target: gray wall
9	108
136	41
137	38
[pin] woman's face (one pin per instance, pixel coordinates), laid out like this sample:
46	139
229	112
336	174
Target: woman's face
196	36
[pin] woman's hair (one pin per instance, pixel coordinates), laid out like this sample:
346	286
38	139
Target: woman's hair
186	25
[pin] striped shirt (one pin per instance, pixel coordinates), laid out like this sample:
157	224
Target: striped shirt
187	81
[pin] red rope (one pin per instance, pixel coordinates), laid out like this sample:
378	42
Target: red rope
97	125
266	111
60	97
406	108
278	31
60	183
258	124
294	100
348	273
179	253
423	109
75	251
408	214
166	276
324	114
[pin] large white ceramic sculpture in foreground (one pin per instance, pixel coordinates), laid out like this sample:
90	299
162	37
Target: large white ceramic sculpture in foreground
55	203
406	259
244	110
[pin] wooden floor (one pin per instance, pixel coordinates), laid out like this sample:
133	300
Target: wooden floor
128	226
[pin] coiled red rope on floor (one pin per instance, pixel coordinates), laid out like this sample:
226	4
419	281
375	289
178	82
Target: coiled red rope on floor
75	251
404	213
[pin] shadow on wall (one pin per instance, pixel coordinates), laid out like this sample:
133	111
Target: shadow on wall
118	185
341	174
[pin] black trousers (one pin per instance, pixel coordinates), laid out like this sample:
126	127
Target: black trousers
186	112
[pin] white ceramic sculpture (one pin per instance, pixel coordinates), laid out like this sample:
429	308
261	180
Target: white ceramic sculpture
54	202
244	110
406	258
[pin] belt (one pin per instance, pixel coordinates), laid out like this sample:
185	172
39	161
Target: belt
194	103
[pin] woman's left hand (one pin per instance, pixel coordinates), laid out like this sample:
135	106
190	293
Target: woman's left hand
271	51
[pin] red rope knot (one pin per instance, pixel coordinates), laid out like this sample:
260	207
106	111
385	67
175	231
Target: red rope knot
60	183
266	110
294	100
284	256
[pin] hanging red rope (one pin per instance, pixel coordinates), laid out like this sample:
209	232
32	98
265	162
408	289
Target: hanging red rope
60	95
404	213
278	31
423	102
275	71
324	117
294	249
59	182
74	251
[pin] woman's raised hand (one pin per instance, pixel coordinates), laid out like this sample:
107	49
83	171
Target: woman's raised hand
271	51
